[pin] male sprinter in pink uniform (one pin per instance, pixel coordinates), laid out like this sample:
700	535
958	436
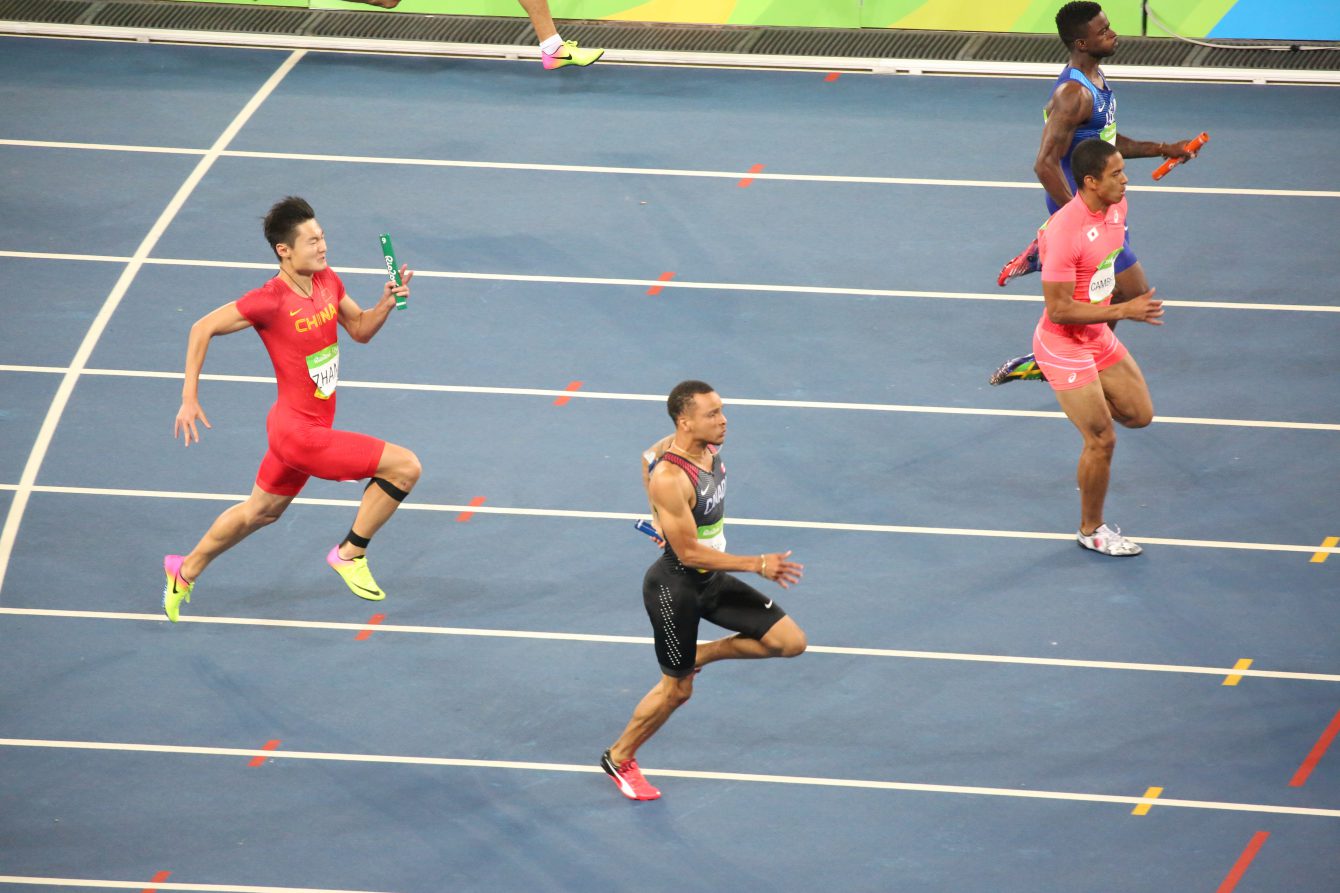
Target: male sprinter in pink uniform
1095	379
1081	106
295	313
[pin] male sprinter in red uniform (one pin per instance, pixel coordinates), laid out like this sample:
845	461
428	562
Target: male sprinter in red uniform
1095	379
1081	107
686	483
296	313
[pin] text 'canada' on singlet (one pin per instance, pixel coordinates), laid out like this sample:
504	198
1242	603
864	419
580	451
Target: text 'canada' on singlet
709	503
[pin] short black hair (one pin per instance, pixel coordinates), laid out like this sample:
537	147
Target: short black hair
681	397
289	213
1090	159
1072	20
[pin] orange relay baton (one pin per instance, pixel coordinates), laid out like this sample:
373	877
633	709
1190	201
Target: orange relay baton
1192	146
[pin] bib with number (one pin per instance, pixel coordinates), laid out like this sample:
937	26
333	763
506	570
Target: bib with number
324	369
1104	279
713	536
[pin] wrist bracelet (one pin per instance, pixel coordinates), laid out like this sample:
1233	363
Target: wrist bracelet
763	565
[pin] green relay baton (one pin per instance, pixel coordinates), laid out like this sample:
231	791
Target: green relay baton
392	268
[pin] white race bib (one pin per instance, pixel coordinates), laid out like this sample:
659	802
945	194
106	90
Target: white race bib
1104	279
713	537
324	369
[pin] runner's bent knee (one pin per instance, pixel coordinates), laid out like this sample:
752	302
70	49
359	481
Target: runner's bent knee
1139	418
400	466
260	513
678	690
786	639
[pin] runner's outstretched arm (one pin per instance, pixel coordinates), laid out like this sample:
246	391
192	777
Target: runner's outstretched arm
221	321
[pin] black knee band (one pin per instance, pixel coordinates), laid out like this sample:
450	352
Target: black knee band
389	489
354	539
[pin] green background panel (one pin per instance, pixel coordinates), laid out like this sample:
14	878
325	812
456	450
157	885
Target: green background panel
1193	18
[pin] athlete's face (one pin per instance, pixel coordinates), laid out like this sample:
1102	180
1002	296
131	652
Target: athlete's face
1100	41
307	254
704	419
1111	187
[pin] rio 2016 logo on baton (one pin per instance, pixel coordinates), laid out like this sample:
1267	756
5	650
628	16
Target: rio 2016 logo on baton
392	268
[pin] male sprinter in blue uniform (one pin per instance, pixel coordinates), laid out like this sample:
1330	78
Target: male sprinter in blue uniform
686	483
1081	107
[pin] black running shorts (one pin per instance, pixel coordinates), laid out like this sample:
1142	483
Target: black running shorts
677	597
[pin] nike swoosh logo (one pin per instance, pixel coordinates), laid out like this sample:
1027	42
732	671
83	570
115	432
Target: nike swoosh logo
768	605
366	589
295	312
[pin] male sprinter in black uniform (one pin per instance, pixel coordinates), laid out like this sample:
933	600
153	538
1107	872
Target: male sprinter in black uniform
686	483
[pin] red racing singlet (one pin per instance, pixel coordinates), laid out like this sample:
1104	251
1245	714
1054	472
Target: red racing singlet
301	334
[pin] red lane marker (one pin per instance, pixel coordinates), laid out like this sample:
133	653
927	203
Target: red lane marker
157	879
1240	867
747	180
656	289
832	76
572	386
367	633
466	516
1318	751
260	761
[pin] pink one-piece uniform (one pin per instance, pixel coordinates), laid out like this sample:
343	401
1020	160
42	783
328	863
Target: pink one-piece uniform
1077	245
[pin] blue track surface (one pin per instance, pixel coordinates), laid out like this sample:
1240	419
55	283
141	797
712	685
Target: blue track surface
962	554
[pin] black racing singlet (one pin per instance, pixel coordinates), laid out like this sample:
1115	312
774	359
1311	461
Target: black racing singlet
709	504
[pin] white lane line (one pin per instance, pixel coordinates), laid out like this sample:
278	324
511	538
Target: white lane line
1009	297
738	522
102	147
60	255
655	172
657	398
831	290
1068	663
9	532
815	781
158	885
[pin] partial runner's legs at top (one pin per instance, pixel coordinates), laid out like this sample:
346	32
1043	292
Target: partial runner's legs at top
554	51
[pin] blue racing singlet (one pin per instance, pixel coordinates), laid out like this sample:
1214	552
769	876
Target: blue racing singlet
1102	123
